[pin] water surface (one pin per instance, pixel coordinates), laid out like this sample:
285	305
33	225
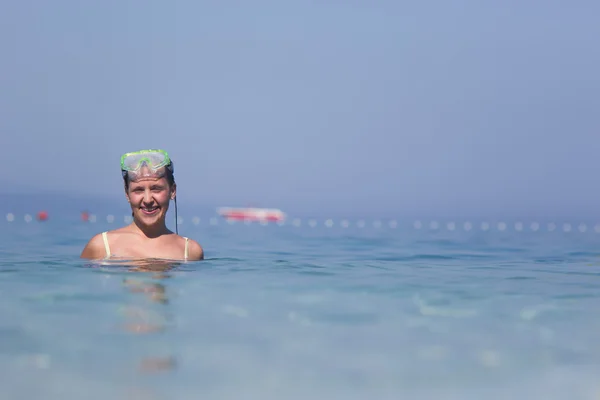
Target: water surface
281	312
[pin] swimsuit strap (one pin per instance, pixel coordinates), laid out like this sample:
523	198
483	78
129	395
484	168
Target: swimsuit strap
185	254
106	246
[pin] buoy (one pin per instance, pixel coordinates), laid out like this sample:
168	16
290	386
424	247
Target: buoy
85	216
42	216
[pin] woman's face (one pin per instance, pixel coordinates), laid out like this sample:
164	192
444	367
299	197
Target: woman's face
149	199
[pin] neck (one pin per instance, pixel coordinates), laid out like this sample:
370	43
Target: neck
153	231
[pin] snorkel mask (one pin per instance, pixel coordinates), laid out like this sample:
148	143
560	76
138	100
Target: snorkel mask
151	164
145	164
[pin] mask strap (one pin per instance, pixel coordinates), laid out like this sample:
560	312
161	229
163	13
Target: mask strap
176	229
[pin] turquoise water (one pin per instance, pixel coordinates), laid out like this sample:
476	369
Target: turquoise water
284	312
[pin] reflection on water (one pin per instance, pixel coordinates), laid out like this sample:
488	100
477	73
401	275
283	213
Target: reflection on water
158	364
154	291
150	317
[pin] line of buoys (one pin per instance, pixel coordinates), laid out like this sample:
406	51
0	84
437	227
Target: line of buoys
501	226
43	216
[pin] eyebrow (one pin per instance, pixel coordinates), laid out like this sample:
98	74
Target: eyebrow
153	186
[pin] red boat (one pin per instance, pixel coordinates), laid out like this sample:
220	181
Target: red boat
252	214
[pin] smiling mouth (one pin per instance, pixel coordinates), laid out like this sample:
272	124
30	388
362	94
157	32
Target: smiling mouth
150	210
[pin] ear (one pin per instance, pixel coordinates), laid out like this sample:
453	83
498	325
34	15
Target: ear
173	191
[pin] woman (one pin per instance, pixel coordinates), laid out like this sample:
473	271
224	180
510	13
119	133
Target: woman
149	187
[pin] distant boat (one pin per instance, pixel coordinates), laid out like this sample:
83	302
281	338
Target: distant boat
251	214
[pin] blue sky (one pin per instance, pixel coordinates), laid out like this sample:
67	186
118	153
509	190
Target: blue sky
465	107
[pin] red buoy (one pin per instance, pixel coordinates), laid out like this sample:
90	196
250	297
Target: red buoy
42	216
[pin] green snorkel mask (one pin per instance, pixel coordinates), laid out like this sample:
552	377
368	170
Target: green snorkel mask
147	164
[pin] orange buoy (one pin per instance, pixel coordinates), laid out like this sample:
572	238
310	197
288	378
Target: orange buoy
85	216
42	216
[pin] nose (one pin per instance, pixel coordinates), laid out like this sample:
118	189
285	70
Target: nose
148	197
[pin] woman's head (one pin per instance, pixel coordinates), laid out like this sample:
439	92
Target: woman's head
149	185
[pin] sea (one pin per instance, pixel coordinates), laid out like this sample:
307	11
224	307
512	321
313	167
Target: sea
307	309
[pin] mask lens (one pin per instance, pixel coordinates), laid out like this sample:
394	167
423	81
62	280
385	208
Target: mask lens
150	159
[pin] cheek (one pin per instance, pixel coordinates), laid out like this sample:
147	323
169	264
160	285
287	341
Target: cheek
163	198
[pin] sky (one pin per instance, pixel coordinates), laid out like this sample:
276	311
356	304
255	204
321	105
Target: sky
348	107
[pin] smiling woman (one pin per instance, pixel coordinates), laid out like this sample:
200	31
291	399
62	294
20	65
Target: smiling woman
149	188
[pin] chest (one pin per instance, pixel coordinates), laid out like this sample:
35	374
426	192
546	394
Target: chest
166	249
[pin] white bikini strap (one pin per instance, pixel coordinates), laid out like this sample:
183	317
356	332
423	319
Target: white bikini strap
106	246
185	254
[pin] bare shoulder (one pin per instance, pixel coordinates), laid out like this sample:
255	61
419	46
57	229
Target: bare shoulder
195	251
94	249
